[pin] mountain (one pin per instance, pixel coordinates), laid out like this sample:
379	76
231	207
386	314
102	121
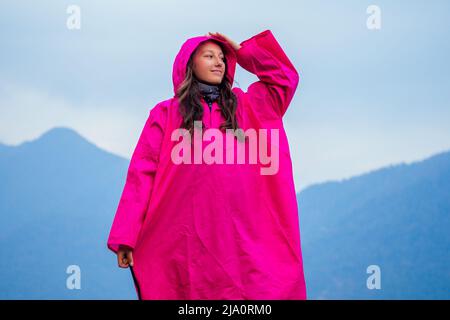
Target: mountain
3	147
57	201
59	193
396	218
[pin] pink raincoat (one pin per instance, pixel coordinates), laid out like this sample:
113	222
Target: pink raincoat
216	231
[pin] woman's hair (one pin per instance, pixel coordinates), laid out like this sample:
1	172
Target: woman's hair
191	109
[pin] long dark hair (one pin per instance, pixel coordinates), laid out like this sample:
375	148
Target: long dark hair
190	107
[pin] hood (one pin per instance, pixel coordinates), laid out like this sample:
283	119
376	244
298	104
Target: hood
188	47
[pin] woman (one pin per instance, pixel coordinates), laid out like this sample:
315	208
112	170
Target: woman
196	230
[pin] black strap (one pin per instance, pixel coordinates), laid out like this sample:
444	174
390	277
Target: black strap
136	283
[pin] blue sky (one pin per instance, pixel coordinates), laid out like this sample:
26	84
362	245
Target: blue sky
366	99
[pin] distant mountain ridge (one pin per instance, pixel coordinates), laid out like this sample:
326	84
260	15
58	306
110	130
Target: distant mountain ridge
396	217
59	194
57	201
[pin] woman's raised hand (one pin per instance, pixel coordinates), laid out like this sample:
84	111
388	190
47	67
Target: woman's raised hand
232	43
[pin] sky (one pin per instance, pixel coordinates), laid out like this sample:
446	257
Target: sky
367	98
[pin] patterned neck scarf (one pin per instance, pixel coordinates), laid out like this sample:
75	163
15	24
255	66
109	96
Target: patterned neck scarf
209	92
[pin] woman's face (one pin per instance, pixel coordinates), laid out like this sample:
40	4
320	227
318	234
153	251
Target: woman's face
209	65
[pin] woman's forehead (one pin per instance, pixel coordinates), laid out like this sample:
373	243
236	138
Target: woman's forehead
210	46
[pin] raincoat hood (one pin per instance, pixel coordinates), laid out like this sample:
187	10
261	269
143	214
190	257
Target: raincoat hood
188	47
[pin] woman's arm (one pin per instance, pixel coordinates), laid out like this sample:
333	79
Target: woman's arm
263	56
138	187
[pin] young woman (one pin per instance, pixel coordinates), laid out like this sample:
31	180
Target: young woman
200	229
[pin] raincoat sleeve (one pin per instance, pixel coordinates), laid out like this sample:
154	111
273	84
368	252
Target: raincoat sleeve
138	187
263	56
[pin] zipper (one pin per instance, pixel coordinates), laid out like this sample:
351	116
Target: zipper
210	112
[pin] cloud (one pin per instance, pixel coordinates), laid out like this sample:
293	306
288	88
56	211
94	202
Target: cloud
26	113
